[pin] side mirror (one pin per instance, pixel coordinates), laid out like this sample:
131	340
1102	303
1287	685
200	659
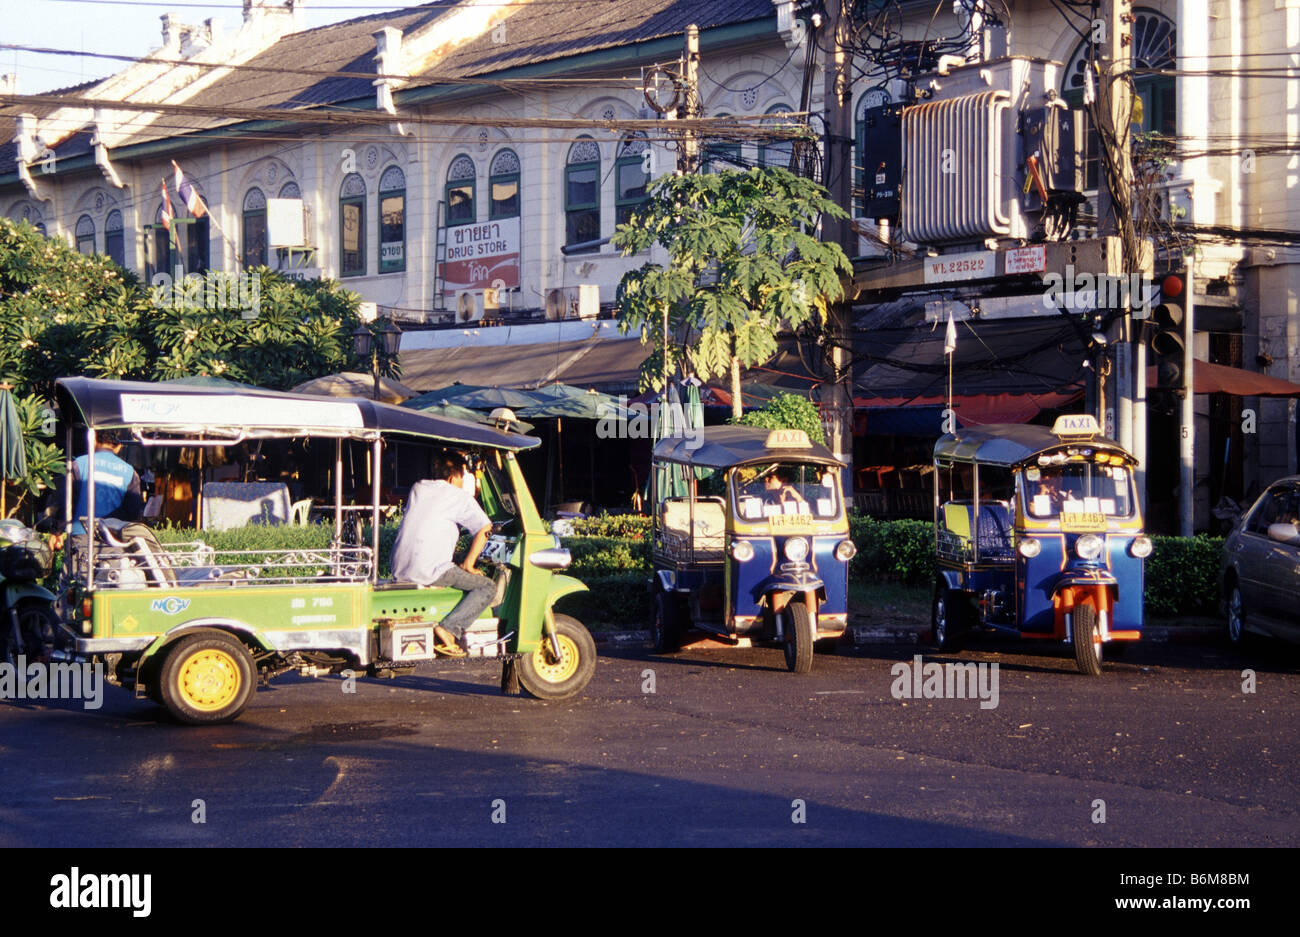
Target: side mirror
1284	533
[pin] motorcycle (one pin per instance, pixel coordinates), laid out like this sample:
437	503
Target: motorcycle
30	626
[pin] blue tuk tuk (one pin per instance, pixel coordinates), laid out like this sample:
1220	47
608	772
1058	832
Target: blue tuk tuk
751	541
1038	534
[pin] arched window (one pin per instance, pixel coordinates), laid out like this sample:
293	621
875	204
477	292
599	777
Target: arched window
254	241
630	177
195	233
114	242
776	153
85	235
461	177
158	246
582	193
392	221
1155	46
718	155
290	190
352	226
503	185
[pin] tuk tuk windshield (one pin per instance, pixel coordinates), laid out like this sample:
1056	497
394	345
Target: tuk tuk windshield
779	488
1077	488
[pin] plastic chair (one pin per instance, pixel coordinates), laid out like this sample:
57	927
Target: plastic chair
299	512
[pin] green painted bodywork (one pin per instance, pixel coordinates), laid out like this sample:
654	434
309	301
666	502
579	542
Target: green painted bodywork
266	615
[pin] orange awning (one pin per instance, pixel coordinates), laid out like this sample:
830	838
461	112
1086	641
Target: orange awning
1210	378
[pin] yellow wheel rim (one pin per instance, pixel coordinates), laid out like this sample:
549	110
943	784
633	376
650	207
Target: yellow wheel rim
560	670
209	680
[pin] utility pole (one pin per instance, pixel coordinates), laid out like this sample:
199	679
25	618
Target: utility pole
1114	108
837	405
689	159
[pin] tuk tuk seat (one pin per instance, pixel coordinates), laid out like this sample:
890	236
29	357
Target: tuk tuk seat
707	535
956	517
993	530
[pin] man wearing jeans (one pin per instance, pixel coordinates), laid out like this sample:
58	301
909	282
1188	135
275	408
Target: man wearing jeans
436	510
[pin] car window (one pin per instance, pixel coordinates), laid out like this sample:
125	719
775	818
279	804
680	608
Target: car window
1271	508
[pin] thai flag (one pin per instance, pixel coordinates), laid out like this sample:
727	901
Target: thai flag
167	213
189	195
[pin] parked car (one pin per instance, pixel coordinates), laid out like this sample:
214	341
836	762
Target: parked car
1260	576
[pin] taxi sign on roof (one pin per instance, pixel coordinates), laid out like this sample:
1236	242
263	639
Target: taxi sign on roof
1076	424
788	439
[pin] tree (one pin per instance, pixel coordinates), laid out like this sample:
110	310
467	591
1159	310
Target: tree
743	264
65	313
787	411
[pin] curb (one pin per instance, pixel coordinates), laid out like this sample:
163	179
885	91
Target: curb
865	635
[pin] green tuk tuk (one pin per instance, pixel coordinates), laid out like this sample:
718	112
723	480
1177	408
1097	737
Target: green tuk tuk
195	629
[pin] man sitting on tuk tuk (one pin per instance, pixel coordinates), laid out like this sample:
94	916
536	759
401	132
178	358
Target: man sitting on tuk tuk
426	542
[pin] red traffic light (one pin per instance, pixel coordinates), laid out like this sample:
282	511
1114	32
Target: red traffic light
1172	286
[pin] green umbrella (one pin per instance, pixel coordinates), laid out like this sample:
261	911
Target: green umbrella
492	397
13	454
442	395
670	480
457	412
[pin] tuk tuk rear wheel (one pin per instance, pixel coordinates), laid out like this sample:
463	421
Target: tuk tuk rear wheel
1087	640
667	627
798	638
949	619
206	679
547	678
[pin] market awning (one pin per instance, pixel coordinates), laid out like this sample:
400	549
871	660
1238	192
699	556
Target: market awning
1210	378
923	416
593	362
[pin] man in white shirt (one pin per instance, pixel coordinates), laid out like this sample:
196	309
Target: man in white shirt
436	510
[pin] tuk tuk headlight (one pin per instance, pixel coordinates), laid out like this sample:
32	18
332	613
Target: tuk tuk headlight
845	551
1141	546
1029	547
742	550
1089	547
796	549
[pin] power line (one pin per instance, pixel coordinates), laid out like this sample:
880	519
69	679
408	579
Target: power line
412	80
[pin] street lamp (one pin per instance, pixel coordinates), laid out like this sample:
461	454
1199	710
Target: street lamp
363	343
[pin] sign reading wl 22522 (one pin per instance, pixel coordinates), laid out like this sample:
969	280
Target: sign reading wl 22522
976	266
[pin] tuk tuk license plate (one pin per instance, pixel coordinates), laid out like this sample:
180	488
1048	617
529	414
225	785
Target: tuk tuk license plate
1082	521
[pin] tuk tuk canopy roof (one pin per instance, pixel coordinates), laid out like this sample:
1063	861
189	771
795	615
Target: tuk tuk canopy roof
1012	443
725	446
253	413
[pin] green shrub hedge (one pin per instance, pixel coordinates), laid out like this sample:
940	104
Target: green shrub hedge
611	555
1183	575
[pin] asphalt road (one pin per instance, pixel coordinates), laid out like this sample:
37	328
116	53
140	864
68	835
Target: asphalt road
730	749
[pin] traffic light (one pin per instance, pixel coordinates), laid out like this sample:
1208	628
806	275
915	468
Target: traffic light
1165	328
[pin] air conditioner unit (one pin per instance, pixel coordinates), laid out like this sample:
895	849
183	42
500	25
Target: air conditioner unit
469	306
573	302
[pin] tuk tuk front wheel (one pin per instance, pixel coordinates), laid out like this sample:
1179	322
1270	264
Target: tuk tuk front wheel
1087	640
206	679
549	678
797	627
